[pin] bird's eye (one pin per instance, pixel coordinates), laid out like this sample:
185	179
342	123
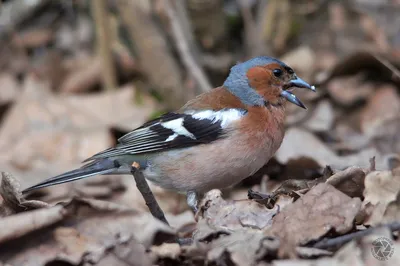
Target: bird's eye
278	72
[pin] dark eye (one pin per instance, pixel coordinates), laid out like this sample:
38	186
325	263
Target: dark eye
278	72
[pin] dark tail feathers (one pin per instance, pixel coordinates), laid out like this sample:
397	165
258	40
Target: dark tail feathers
97	167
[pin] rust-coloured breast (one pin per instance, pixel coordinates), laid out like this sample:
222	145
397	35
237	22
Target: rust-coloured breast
262	123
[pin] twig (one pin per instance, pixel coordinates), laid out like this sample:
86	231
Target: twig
151	48
148	196
253	42
341	240
388	65
104	42
184	49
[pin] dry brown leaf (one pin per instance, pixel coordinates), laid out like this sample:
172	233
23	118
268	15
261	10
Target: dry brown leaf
300	143
383	106
380	119
119	219
349	90
349	139
88	231
239	248
320	210
21	224
12	197
42	127
392	212
381	188
358	60
355	253
130	252
84	78
349	181
232	215
322	118
283	201
366	245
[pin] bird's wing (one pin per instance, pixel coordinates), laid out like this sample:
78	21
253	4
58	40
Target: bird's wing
175	130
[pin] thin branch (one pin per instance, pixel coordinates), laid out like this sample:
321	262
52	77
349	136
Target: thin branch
388	65
104	43
151	48
341	240
184	49
148	196
253	42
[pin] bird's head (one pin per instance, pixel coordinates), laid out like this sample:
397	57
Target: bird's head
265	80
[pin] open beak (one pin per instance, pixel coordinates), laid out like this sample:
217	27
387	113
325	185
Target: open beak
296	83
292	98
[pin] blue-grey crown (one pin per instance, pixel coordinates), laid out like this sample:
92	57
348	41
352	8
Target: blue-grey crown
237	82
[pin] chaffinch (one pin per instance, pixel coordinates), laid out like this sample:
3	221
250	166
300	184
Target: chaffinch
214	141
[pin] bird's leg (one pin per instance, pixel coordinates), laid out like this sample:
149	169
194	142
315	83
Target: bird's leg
192	200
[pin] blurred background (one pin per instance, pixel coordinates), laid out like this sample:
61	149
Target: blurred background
76	75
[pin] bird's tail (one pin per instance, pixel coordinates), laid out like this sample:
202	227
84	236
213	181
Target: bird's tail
97	167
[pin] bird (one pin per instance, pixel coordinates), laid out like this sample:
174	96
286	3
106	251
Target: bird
214	141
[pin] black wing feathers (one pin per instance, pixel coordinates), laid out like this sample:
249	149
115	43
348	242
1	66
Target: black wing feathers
155	135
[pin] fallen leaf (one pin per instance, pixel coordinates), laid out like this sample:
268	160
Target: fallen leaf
319	211
301	143
358	252
358	61
381	188
349	181
233	215
322	117
13	201
131	251
21	224
392	212
239	247
74	237
383	106
348	138
65	130
347	91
